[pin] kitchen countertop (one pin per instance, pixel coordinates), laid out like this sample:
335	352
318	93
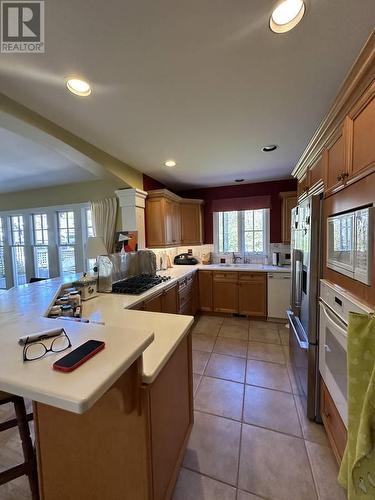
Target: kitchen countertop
128	334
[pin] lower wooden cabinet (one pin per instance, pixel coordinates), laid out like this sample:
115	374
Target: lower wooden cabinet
225	292
154	304
205	290
334	426
169	300
130	444
252	294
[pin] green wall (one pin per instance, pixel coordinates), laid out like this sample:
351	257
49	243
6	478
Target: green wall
60	195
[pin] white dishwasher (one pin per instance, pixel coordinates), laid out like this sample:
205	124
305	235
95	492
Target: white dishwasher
278	294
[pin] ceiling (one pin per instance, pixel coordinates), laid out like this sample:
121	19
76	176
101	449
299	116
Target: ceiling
204	82
26	164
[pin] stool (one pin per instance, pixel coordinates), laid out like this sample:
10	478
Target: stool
22	422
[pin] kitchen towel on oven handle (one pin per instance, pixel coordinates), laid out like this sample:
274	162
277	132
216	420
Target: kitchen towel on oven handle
357	471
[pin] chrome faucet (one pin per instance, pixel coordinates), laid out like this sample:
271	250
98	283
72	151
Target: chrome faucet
236	258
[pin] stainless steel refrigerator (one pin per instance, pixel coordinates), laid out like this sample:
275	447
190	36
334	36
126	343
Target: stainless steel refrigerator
303	312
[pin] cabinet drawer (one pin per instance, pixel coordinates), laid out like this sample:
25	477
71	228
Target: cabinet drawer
230	276
333	424
252	277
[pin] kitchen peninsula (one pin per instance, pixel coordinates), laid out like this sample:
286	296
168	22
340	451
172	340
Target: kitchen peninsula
118	425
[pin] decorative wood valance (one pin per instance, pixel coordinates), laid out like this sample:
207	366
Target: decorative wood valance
243	203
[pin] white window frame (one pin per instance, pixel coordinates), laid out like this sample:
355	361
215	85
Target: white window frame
241	233
53	241
43	244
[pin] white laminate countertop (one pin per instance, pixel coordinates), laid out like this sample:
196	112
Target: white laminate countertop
127	334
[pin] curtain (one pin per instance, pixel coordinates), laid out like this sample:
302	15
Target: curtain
104	214
243	203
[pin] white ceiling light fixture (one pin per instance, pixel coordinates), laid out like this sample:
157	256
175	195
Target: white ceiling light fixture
170	163
78	87
287	15
269	148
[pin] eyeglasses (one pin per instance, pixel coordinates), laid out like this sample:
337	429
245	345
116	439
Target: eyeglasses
36	350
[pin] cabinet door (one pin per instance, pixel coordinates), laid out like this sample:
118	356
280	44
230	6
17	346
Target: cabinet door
316	173
205	290
154	304
191	224
155	222
225	296
336	170
252	295
168	221
289	202
176	223
362	132
336	430
171	418
169	300
303	186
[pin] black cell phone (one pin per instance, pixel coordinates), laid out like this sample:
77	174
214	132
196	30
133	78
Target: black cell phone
78	356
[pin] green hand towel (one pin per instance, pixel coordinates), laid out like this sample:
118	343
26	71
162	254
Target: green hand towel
357	471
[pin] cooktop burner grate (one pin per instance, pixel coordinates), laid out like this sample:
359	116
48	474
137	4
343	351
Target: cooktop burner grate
138	284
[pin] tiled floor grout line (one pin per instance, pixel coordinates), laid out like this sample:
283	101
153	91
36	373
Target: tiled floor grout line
242	417
312	472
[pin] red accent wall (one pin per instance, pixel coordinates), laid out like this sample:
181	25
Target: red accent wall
272	188
149	183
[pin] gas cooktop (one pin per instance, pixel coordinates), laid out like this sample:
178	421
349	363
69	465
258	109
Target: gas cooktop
138	284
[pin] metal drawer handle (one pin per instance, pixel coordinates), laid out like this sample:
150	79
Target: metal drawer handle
332	321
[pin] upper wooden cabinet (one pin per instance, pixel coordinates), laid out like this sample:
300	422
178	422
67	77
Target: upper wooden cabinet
316	173
191	223
289	201
336	169
205	290
172	220
303	186
361	133
345	138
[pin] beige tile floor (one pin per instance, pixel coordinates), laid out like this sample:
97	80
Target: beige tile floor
250	439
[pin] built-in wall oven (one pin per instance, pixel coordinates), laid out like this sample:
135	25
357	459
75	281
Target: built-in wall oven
349	243
334	307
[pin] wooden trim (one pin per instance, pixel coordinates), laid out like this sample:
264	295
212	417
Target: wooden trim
357	80
165	193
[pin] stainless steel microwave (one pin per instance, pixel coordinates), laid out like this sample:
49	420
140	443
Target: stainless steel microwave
349	243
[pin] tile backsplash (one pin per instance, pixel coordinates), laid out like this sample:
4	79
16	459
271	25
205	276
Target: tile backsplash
202	251
198	251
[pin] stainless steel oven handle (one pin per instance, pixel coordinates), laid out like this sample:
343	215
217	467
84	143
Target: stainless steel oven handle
331	319
301	342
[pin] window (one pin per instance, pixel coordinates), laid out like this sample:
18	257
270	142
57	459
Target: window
40	233
2	258
44	242
245	232
90	263
67	239
18	250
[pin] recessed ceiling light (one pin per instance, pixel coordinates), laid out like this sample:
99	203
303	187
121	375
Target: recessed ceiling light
78	87
287	15
269	148
239	180
170	163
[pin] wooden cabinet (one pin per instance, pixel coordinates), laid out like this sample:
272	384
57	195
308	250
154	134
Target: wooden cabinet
361	132
303	186
336	171
252	294
316	173
130	444
289	201
169	300
334	426
205	290
172	220
191	223
225	292
185	295
154	304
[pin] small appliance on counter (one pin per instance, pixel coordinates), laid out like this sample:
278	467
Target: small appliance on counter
185	259
87	286
277	259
